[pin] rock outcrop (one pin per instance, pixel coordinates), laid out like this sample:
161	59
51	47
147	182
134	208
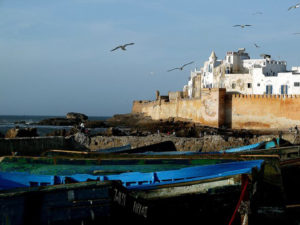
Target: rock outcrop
79	141
58	122
207	143
73	119
63	132
21	132
94	124
76	116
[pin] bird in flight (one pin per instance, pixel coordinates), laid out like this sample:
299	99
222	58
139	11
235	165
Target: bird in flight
256	45
257	13
180	68
294	6
123	47
242	25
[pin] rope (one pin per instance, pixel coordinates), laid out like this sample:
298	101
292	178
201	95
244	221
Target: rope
240	200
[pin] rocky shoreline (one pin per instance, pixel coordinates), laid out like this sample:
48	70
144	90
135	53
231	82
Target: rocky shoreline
137	130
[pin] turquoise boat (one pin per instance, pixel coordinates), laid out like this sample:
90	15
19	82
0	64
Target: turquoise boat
98	166
195	192
264	145
134	180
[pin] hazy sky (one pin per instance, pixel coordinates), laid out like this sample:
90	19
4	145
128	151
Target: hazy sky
55	55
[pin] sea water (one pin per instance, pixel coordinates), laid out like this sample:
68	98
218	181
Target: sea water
10	121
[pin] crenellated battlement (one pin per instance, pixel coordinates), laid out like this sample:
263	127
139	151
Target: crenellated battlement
216	108
264	96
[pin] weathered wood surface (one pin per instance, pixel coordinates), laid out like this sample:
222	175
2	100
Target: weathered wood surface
177	209
188	188
213	201
80	203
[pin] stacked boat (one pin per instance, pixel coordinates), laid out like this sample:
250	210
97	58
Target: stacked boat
141	188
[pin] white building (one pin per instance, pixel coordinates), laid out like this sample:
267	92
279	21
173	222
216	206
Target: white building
238	73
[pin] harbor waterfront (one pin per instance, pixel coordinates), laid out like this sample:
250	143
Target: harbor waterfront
29	121
149	112
145	177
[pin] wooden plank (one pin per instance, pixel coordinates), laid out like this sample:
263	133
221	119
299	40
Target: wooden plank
200	187
293	206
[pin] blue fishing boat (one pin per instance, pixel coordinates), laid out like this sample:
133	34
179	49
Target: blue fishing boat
165	146
257	146
197	192
118	149
98	166
134	180
260	145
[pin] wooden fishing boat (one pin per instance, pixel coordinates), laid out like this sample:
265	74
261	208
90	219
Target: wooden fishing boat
69	204
252	195
99	166
168	149
114	149
134	180
283	153
169	196
164	146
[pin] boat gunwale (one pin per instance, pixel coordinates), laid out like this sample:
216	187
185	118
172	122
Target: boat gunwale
57	187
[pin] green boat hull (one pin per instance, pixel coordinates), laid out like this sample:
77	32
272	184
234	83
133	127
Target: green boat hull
64	166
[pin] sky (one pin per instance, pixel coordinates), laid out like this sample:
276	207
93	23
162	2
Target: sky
55	56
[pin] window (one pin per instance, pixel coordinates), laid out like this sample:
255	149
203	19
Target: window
296	84
284	89
249	85
233	85
227	70
269	89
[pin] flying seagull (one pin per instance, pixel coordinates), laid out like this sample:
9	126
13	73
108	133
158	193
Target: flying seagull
294	6
242	25
256	45
257	13
180	68
123	47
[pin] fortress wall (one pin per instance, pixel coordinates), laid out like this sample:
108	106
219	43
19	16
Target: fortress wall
138	106
205	110
262	111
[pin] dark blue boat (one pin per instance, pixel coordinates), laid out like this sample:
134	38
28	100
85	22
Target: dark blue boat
135	180
197	192
264	145
119	149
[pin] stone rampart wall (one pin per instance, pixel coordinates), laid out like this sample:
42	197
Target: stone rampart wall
203	110
215	108
263	111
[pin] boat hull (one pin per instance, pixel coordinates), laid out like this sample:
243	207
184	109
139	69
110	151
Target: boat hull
82	203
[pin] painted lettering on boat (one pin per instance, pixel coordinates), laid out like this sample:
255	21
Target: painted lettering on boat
120	197
140	209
